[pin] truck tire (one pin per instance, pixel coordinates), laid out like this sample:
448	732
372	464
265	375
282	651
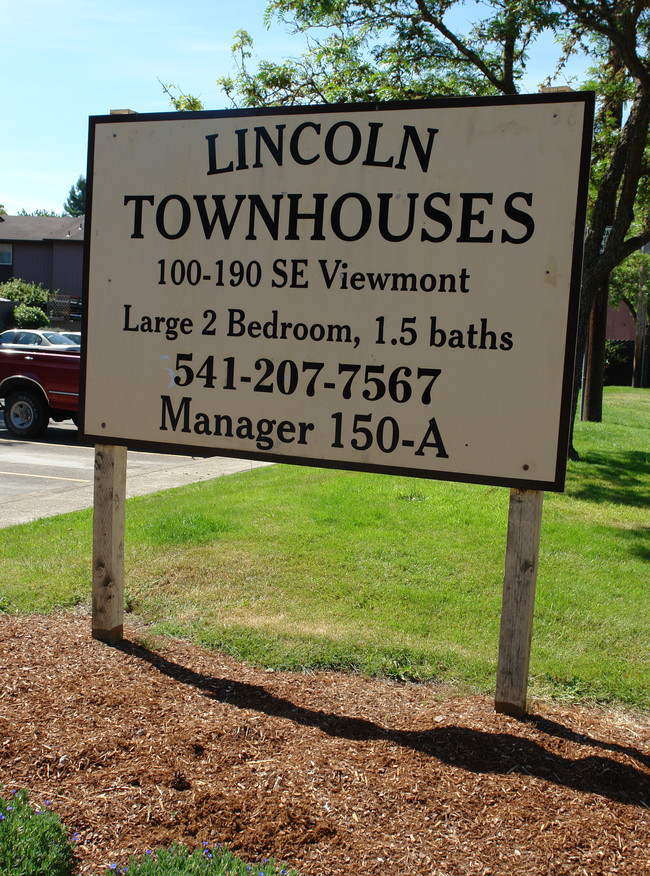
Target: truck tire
26	414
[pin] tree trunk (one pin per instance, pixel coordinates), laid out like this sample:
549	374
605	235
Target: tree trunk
640	341
592	388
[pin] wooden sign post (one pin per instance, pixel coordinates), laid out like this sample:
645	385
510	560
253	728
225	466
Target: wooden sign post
108	543
522	553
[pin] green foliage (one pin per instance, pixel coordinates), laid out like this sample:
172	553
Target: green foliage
181	102
625	279
389	50
76	203
24	316
615	89
31	294
33	842
349	65
178	861
31	300
615	353
24	212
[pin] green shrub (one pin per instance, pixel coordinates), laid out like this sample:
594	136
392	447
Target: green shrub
615	353
31	302
31	294
25	316
178	861
33	842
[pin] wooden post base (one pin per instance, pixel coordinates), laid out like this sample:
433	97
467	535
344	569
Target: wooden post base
520	578
108	543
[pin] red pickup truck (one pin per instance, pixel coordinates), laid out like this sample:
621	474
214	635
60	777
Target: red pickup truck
35	387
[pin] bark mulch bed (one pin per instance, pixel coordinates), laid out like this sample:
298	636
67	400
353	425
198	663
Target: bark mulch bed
136	747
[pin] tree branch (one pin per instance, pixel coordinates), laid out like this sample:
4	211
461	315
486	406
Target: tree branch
632	245
509	64
464	49
617	193
620	29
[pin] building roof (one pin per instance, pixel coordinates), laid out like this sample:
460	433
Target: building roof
41	228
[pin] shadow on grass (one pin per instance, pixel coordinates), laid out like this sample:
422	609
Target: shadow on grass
472	750
622	479
638	539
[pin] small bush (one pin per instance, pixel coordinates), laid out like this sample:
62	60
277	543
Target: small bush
178	861
31	294
25	316
33	842
31	302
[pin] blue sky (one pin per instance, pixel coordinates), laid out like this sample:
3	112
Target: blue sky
63	62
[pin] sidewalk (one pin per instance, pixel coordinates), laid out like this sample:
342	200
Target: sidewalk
138	483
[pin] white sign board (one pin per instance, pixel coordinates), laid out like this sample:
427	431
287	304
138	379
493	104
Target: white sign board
389	288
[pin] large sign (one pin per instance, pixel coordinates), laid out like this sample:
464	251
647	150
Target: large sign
390	287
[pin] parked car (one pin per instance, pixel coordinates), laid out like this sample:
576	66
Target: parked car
75	337
37	385
21	339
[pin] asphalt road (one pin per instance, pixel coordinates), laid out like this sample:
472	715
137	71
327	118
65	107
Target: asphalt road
54	474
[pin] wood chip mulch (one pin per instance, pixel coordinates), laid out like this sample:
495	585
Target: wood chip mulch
138	746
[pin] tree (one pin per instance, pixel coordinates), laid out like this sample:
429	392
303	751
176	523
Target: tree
620	195
76	203
629	287
624	282
611	80
362	50
39	212
640	371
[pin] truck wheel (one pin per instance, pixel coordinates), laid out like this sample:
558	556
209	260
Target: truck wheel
26	414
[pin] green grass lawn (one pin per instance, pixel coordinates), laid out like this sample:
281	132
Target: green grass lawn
309	568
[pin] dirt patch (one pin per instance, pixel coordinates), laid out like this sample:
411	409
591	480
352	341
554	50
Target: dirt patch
333	774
